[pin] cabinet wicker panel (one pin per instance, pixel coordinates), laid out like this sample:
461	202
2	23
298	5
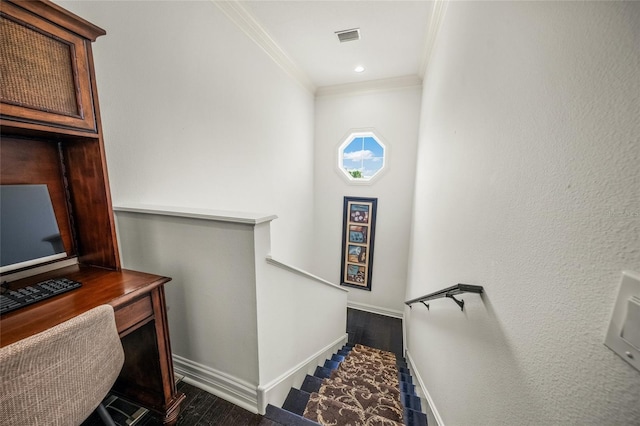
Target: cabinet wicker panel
35	70
43	72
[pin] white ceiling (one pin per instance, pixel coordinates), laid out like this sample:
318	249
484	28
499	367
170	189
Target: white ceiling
393	36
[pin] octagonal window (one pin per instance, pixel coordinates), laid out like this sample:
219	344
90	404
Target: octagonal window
361	156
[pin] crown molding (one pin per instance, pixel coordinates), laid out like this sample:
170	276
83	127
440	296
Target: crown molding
437	16
246	22
393	83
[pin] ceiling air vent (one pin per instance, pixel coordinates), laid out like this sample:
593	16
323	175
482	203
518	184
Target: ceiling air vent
348	35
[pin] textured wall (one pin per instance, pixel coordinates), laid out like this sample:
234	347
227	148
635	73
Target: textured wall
528	183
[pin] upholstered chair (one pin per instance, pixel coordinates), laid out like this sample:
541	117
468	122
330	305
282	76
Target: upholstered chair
61	375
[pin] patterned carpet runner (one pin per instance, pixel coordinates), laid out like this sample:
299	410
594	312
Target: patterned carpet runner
362	391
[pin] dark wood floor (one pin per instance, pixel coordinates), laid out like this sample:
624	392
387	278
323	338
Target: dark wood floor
202	408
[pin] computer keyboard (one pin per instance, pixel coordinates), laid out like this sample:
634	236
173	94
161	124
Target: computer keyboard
11	300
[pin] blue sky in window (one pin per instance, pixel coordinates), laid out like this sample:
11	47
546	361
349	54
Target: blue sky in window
364	154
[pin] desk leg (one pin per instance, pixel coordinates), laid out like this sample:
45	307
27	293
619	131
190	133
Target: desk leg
173	399
147	375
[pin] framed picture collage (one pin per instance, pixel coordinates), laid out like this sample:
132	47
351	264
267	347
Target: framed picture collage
357	241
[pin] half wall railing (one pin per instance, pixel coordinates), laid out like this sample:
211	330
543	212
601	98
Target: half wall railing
244	326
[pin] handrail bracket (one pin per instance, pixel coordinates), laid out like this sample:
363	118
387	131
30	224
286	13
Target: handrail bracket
459	302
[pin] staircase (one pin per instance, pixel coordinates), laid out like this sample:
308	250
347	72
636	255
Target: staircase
358	386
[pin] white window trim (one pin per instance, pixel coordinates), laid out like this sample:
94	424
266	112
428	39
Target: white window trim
348	137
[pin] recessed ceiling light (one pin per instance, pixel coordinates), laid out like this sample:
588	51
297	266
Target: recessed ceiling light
359	68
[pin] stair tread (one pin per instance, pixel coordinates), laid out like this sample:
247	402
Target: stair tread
286	418
407	388
322	372
296	401
332	365
403	377
370	403
311	384
337	412
414	418
337	357
411	401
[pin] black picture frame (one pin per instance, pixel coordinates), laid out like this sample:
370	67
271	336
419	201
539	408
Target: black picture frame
358	237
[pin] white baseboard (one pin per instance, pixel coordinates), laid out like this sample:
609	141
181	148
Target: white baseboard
223	385
276	390
244	394
376	310
423	389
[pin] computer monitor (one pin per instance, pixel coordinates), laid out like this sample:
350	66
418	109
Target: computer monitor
29	233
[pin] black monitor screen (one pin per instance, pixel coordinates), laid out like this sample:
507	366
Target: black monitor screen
29	231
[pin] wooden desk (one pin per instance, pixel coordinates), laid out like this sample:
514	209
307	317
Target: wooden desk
141	318
51	133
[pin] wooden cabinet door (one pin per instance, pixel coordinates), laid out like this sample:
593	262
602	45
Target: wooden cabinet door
44	72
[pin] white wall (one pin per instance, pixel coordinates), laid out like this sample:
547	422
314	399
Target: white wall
301	323
528	183
211	299
394	114
196	115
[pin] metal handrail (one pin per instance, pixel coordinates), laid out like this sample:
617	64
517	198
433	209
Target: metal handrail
448	292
